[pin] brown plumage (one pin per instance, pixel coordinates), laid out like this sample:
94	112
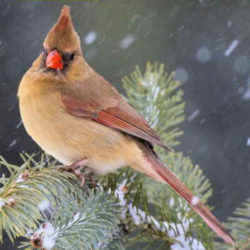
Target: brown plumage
73	113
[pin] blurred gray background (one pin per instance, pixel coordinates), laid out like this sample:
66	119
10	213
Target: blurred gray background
205	41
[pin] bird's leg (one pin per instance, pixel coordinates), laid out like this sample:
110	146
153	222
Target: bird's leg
75	168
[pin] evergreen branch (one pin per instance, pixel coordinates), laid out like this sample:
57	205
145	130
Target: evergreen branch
78	221
49	208
240	228
156	96
153	213
187	226
24	190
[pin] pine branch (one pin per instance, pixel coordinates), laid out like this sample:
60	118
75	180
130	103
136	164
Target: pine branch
154	214
187	226
49	208
240	228
78	221
158	98
22	192
153	211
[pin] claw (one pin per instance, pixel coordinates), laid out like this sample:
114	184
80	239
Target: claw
75	168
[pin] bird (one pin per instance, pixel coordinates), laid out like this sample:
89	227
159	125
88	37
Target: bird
79	118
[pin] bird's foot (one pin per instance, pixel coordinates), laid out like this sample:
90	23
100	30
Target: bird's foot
76	168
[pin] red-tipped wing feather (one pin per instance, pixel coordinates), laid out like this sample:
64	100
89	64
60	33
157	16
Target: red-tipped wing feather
121	117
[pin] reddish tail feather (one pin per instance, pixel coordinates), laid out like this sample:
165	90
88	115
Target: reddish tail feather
168	177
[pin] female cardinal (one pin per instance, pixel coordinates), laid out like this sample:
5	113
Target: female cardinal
75	115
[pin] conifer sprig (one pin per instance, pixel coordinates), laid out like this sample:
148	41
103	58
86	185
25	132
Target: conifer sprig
157	96
239	225
22	192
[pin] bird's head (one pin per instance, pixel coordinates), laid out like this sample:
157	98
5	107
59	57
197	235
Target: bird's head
62	53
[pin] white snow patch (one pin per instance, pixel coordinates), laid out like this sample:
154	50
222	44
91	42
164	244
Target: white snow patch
76	217
229	23
127	41
2	203
157	224
20	178
176	231
133	212
90	37
47	234
203	55
246	95
44	205
142	214
19	124
248	142
183	243
13	143
121	196
181	27
195	200
171	202
231	47
193	115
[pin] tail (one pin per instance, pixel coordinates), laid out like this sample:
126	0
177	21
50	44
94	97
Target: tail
165	175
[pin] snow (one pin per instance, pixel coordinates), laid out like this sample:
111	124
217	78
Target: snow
76	217
229	23
157	224
90	37
20	178
183	243
195	200
142	214
44	205
175	231
47	234
246	95
248	142
49	237
231	47
127	41
2	203
19	124
203	55
13	143
121	196
133	212
193	115
171	202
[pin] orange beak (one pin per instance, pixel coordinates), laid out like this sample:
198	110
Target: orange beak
54	60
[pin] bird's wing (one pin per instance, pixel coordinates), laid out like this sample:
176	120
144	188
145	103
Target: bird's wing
106	106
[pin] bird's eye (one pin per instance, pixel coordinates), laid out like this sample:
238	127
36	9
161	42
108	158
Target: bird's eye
68	56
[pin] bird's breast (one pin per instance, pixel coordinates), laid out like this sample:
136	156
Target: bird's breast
69	138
